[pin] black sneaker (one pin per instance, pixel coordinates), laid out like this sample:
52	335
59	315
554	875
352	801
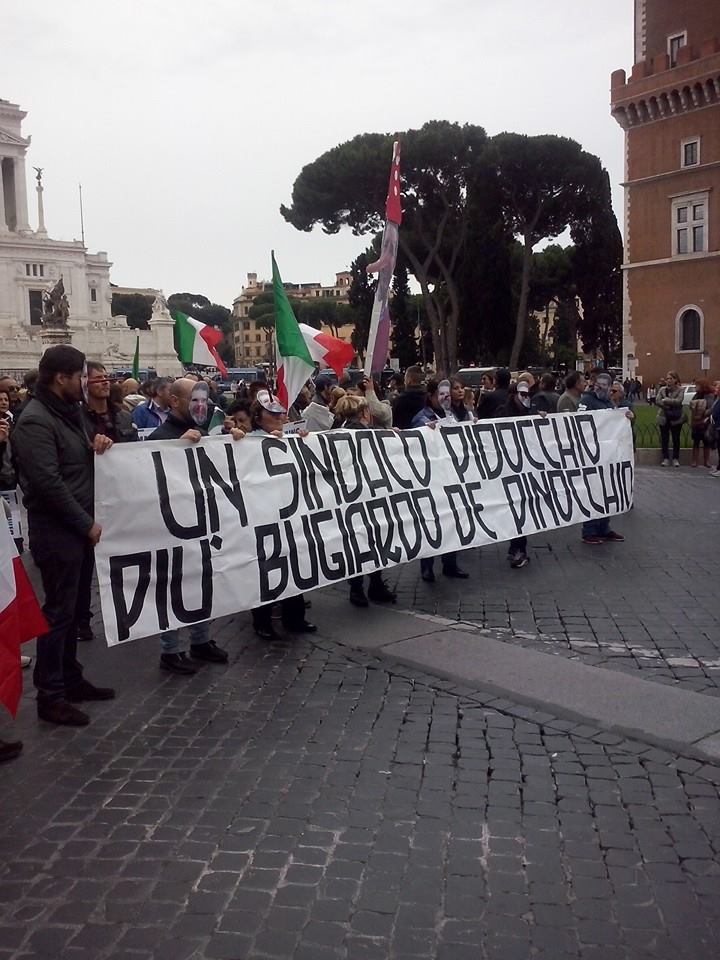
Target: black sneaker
455	573
521	559
176	663
210	652
84	632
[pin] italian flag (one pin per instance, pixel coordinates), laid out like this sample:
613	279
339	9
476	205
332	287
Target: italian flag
21	618
293	359
197	342
326	350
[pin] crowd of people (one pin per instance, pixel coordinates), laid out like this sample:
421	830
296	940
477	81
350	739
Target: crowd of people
70	411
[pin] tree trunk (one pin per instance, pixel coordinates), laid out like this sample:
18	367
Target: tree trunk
431	306
522	305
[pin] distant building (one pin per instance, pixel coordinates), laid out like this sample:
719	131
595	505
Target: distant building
252	343
31	262
669	109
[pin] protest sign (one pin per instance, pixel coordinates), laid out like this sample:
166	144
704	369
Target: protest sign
197	531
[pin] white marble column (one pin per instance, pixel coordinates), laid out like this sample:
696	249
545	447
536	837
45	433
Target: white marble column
21	207
3	223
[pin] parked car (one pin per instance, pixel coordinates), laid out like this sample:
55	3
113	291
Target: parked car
689	392
472	376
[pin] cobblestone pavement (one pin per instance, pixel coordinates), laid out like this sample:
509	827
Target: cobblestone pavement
305	804
651	604
312	803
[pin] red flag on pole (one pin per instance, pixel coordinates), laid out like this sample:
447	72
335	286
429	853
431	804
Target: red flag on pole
21	618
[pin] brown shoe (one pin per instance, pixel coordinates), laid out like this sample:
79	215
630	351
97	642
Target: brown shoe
62	713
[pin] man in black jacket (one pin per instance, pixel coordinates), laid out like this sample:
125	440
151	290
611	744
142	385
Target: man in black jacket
411	400
54	454
489	403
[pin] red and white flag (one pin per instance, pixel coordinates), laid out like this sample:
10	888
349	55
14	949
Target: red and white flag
21	618
378	348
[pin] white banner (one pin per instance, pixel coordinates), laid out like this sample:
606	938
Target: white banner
197	531
12	499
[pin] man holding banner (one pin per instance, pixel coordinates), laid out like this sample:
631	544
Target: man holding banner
185	419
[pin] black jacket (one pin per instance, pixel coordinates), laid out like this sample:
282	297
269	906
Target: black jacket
174	428
116	424
54	459
490	403
406	405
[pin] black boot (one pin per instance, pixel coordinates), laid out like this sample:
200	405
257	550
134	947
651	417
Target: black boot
357	596
379	592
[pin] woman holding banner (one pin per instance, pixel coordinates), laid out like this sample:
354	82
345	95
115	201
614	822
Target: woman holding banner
353	412
267	417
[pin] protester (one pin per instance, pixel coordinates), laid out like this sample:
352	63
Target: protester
456	406
598	398
187	414
670	418
380	411
131	394
153	411
545	399
491	402
238	415
268	417
317	414
8	478
354	414
411	400
518	404
438	409
569	400
651	394
102	417
700	408
10	386
54	455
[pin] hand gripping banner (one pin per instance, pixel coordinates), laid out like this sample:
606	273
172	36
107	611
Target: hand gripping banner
197	531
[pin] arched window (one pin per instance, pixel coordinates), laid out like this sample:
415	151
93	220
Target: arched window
689	329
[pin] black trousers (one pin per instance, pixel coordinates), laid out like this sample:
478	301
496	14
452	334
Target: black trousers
65	561
375	579
666	431
292	611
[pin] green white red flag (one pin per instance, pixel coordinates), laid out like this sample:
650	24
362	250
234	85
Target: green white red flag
294	361
197	342
21	618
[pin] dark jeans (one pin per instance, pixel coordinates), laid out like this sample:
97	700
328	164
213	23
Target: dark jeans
596	528
292	611
449	562
668	430
518	545
65	561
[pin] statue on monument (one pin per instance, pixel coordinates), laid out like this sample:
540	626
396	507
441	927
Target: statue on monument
160	311
56	308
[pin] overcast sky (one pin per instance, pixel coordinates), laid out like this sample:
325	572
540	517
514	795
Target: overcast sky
187	124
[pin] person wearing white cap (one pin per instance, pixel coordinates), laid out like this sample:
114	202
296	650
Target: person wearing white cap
267	416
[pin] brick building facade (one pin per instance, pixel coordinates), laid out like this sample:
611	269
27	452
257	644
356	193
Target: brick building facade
669	108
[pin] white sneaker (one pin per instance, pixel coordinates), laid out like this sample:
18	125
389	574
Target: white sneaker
676	463
25	662
714	473
665	463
